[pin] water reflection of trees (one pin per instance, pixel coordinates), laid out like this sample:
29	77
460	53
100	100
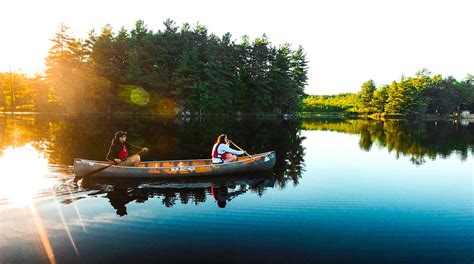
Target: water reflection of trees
68	137
416	139
121	192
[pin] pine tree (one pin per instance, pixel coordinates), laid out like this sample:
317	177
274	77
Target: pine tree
395	99
187	80
200	72
280	79
366	95
299	76
71	76
380	99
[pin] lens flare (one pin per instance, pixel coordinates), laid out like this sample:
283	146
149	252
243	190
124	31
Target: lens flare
167	107
139	96
134	95
22	171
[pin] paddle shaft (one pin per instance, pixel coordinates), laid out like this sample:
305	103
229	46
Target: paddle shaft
250	187
111	164
240	149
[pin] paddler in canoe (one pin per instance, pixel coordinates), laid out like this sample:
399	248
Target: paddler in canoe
118	151
221	152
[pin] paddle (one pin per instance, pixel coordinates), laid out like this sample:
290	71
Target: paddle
241	149
111	164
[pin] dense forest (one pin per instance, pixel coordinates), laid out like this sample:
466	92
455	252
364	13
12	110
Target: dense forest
175	70
186	70
418	95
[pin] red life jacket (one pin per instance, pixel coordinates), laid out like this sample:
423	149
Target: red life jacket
215	154
123	153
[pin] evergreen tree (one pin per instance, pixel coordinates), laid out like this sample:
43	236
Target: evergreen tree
466	93
299	74
397	98
280	80
219	73
259	65
380	98
187	80
72	77
40	94
199	72
366	95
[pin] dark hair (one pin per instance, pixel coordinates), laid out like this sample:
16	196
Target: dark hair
221	204
221	139
122	210
117	135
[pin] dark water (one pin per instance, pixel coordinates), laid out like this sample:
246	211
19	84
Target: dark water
343	191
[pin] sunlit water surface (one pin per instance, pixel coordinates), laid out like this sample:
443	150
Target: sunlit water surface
333	198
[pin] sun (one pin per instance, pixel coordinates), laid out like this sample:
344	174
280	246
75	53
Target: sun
22	171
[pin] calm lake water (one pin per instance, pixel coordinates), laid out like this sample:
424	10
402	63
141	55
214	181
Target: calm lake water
342	191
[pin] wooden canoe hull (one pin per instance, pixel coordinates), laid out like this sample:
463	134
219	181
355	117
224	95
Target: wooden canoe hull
177	168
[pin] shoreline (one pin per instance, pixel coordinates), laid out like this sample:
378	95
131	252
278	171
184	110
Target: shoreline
300	115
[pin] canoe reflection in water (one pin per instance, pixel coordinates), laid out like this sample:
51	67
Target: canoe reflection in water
224	189
222	195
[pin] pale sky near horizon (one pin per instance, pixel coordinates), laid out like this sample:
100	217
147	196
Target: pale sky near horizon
346	42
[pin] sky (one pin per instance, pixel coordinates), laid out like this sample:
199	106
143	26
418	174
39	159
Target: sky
347	42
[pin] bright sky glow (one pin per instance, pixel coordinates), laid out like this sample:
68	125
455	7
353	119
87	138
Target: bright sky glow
347	42
22	172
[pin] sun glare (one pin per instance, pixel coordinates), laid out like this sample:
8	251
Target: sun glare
22	171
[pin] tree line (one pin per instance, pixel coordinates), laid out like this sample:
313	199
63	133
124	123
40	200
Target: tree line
179	69
417	95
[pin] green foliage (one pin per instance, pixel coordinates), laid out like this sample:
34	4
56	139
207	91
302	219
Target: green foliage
178	69
380	99
15	92
367	96
72	77
331	103
200	72
421	94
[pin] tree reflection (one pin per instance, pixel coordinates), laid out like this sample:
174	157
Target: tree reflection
223	190
69	137
416	139
223	194
290	156
118	198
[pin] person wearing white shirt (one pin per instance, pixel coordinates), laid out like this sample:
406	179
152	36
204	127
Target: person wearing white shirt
221	152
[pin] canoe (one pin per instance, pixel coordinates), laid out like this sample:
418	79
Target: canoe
176	168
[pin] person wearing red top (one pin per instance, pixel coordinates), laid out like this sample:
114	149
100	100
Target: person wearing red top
118	151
